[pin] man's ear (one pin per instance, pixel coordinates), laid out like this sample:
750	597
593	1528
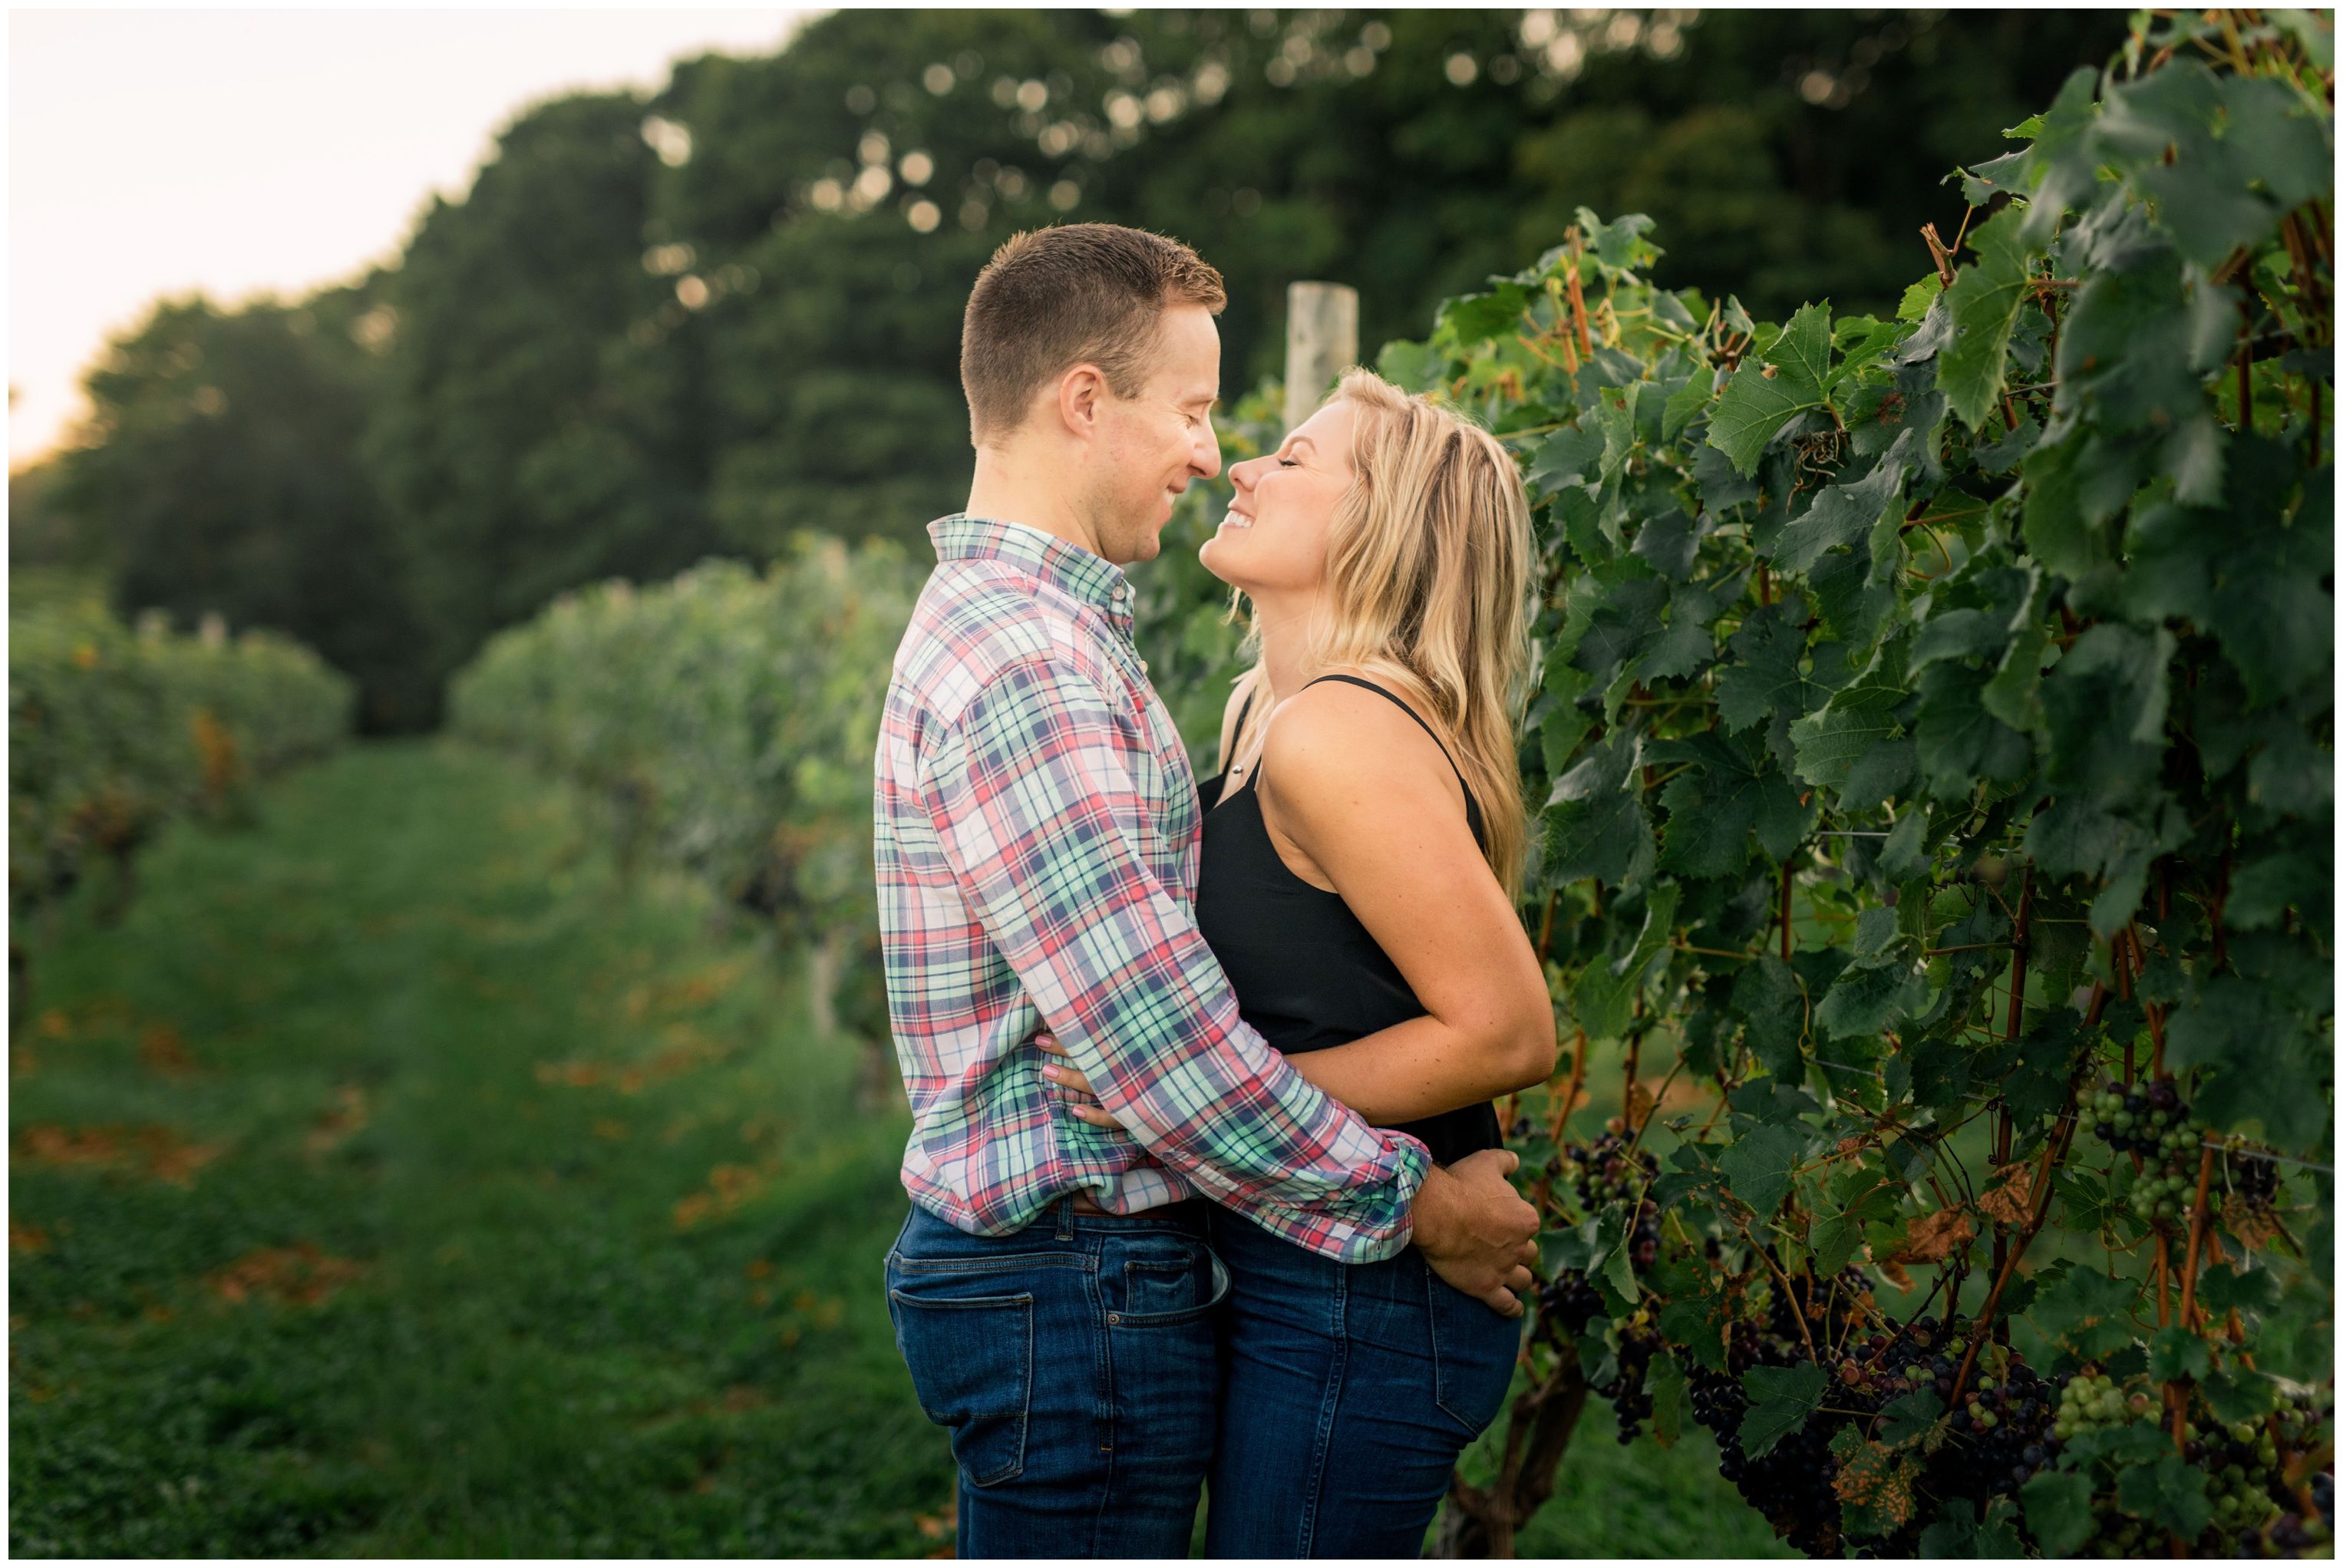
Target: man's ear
1081	393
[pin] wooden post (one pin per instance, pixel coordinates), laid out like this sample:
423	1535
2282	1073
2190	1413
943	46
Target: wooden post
1321	341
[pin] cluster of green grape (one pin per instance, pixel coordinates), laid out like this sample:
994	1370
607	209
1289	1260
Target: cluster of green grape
2142	1118
2149	1120
2242	1472
2092	1399
2166	1197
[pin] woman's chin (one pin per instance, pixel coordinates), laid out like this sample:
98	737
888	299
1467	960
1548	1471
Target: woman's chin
1214	554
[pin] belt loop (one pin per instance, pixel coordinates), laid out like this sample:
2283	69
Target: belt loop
1066	1218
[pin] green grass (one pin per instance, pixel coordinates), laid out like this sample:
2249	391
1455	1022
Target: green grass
393	1182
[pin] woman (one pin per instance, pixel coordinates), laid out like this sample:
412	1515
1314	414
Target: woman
1362	849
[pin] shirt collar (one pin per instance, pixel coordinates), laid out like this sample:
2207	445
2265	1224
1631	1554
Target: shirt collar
1069	568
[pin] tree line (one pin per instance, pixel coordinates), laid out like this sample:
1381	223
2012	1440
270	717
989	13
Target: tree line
696	321
1932	736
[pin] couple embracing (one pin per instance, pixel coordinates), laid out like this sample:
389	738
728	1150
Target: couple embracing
1207	1191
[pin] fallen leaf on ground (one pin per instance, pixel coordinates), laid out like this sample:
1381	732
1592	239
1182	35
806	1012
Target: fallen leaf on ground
298	1275
161	1051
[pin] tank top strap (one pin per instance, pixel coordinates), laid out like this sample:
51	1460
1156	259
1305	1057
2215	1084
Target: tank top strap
1472	807
1236	730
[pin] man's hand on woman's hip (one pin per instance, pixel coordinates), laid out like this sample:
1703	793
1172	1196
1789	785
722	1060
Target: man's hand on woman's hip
1476	1232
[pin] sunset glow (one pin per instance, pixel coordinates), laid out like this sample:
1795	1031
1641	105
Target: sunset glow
160	152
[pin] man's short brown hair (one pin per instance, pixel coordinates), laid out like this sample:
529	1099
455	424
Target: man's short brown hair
1077	293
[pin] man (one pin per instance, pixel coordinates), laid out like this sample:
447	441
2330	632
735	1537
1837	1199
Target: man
1037	822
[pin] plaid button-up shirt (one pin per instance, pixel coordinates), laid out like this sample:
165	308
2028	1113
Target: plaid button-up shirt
1036	850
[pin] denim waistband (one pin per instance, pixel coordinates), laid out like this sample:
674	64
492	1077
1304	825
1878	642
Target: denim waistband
1061	1219
1190	1214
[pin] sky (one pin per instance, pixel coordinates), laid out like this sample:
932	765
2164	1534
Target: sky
154	153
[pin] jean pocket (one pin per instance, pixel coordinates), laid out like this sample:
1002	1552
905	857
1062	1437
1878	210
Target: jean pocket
1164	1287
972	1361
1473	1351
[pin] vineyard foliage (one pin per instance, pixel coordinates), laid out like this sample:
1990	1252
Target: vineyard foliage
725	720
1935	732
1934	736
113	732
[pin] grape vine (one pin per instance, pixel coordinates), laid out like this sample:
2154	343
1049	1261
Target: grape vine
1935	737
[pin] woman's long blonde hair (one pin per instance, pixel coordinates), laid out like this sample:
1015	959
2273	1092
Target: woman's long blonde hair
1428	568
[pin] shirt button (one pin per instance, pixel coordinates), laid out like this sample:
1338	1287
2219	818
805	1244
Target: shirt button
1142	667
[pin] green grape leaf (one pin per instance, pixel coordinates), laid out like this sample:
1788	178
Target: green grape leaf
1567	457
1766	994
1847	513
1867	998
1595	825
2177	1353
1759	1164
2224	1289
2240	1394
1782	1399
2132	1442
1603	997
1689	1323
1714	806
2089	1311
1907	1417
1984	301
1765	683
1863	1199
1958	740
1685	404
1764	396
2058	1511
1853	745
1953	1533
2170	1495
1665	1385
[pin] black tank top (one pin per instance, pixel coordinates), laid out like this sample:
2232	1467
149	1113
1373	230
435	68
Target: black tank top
1306	973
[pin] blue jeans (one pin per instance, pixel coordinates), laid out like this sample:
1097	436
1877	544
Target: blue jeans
1075	1365
1346	1394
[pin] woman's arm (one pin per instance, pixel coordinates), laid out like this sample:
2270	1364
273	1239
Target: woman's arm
1359	801
1357	792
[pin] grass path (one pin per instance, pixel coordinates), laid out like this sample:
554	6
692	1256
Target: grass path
393	1182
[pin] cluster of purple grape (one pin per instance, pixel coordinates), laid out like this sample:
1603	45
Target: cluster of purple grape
1612	1170
1566	1305
2253	1176
1628	1389
1605	1171
1790	1484
2006	1418
2297	1534
1997	1438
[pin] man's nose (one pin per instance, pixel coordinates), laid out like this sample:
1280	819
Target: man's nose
1205	456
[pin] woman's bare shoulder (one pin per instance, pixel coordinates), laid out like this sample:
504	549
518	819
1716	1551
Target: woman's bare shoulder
1332	739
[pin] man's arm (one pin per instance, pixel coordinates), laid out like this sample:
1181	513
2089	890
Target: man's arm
1036	811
